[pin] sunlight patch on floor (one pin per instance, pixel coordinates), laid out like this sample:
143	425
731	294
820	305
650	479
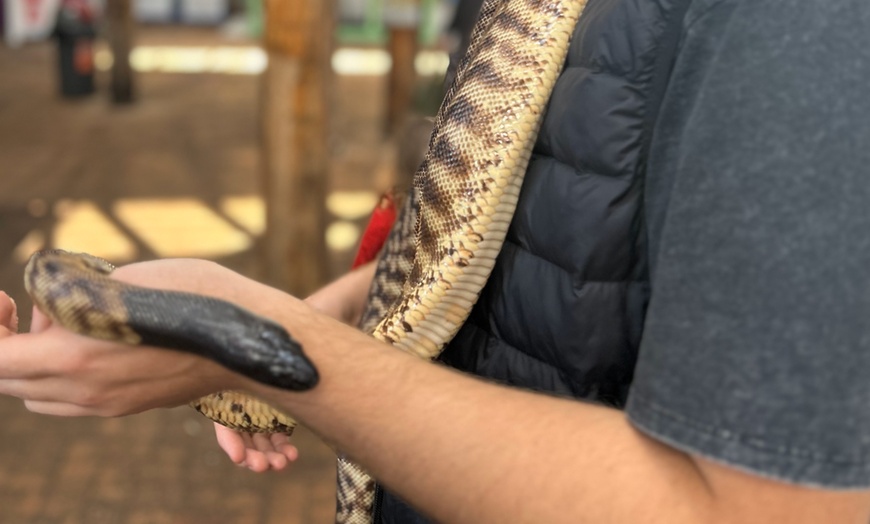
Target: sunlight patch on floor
247	211
32	242
181	227
83	227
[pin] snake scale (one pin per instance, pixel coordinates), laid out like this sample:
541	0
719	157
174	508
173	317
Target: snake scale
436	260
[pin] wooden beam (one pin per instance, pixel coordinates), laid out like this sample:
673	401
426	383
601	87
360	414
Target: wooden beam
400	91
119	15
296	87
402	18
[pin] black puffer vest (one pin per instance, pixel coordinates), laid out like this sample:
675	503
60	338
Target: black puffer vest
563	310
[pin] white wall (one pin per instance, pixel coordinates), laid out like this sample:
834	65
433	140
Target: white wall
29	20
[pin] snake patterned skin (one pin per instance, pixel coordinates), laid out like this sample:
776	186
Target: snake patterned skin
442	248
465	192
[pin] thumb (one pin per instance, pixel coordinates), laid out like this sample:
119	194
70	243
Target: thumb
231	442
39	321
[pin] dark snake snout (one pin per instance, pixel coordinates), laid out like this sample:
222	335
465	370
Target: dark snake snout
236	338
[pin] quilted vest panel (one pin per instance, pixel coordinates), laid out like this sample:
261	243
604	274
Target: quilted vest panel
563	310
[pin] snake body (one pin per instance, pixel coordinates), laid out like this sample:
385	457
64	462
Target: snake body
465	192
431	271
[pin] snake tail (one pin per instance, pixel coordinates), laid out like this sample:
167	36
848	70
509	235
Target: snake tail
76	291
243	412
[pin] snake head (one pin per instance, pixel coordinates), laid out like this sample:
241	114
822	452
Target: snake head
261	350
288	367
234	337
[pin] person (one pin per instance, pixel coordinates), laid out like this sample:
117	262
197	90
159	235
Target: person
697	197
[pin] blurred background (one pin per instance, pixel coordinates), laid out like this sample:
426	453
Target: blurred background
257	133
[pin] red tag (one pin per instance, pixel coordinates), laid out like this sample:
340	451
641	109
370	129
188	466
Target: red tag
377	230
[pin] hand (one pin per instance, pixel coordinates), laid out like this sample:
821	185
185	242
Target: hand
58	372
258	452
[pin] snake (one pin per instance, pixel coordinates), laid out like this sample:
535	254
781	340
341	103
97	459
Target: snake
436	260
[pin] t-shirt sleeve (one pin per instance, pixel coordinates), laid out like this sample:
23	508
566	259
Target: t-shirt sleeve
756	347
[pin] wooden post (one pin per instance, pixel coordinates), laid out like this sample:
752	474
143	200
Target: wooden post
120	32
402	18
296	86
400	90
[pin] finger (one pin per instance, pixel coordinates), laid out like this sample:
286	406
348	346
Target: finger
277	461
258	452
57	409
54	396
263	442
39	389
13	387
29	356
255	460
281	443
231	442
39	321
8	312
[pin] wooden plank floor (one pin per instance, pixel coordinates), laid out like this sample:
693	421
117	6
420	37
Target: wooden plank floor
190	138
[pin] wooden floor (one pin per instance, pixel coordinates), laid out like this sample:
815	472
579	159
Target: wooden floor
72	171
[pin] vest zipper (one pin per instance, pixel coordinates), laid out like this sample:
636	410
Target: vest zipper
376	504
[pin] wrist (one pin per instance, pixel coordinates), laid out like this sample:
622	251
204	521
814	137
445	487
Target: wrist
344	299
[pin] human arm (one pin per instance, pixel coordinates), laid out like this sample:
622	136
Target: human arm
344	299
531	471
460	449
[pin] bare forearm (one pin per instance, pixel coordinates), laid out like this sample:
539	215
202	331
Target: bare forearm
345	298
434	435
463	450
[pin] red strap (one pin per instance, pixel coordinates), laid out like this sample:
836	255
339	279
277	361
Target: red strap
377	230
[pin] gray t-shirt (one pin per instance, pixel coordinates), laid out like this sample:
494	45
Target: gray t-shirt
756	349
